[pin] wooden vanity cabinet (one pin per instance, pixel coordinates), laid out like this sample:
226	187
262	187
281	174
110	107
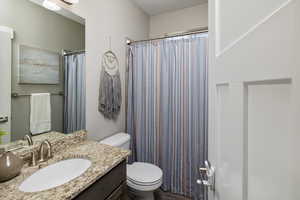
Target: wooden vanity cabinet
111	186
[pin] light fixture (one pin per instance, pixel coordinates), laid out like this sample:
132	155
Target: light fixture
72	1
51	5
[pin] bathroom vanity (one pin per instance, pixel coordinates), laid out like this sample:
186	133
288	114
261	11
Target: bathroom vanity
104	179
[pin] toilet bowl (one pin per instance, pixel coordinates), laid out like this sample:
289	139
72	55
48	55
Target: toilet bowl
142	178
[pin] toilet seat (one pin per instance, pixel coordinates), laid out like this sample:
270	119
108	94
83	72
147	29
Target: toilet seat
144	176
143	183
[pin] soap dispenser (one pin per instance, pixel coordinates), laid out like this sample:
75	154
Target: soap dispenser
10	165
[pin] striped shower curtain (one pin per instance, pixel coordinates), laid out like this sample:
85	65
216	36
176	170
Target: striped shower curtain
167	109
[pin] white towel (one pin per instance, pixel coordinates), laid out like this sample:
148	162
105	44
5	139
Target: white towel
40	113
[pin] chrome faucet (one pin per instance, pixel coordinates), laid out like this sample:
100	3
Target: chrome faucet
42	151
33	158
29	139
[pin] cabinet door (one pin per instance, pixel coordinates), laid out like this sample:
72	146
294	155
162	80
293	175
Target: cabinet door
106	186
120	193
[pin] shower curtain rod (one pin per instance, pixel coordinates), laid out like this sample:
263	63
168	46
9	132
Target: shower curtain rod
67	53
191	32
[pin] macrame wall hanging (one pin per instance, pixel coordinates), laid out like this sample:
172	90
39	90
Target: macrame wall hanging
110	92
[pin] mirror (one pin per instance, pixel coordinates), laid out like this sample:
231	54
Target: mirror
42	61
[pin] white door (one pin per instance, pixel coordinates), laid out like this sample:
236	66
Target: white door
6	36
254	134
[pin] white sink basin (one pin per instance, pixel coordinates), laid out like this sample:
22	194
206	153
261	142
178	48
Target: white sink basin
55	175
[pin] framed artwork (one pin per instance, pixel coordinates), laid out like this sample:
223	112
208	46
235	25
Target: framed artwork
38	66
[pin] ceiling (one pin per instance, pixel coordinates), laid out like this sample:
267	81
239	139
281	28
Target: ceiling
155	7
63	12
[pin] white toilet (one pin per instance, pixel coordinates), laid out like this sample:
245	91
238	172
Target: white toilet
142	178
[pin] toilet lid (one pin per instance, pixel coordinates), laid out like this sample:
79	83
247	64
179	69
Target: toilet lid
144	172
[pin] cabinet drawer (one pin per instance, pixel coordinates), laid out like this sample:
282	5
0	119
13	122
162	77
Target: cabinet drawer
105	186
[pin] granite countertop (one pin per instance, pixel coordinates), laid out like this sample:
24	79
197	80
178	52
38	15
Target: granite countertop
58	140
103	158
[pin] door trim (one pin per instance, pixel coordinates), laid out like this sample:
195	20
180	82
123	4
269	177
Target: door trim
8	30
220	52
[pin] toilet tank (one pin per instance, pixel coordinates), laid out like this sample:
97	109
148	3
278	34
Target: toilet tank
121	140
